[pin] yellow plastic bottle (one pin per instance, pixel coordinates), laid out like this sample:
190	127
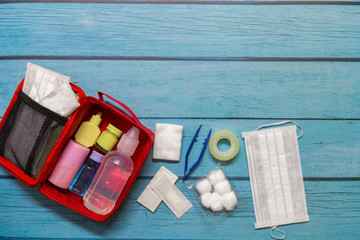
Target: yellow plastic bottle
108	138
89	131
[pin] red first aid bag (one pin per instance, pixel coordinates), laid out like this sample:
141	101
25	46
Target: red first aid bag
32	138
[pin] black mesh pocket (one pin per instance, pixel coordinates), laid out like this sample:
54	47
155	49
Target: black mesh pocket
29	134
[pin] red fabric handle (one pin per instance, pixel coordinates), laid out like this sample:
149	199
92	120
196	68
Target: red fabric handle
132	114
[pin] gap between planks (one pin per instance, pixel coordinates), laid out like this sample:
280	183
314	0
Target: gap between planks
154	58
199	2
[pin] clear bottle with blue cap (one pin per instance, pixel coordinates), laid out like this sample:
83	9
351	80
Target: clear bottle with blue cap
87	172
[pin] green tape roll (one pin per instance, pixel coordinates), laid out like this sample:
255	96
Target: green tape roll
234	145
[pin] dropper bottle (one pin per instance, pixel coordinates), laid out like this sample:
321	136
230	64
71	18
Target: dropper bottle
89	131
112	175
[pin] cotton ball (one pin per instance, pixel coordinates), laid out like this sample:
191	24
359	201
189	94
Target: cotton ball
216	203
222	187
206	199
203	186
229	200
216	176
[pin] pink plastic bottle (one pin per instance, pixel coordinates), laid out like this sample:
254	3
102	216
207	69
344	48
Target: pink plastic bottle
70	161
112	175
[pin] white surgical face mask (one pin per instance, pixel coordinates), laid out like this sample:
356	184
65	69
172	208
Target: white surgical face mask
50	89
276	178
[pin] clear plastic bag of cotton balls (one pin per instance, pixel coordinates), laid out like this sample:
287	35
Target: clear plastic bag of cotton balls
216	192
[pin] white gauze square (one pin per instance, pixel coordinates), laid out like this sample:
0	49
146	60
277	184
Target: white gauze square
148	197
167	143
172	196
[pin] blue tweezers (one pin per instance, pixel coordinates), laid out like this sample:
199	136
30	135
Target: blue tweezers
194	139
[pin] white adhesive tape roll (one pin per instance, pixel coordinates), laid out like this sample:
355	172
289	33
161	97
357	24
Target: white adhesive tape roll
234	145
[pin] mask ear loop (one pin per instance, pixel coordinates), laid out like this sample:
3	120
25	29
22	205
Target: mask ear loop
281	123
278	230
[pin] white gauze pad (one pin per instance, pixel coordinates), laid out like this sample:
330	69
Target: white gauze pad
148	197
167	143
172	196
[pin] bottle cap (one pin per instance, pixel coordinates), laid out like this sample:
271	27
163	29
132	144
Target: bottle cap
97	157
111	128
129	142
96	119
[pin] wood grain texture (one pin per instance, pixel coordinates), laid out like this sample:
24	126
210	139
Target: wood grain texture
201	89
179	30
333	208
324	153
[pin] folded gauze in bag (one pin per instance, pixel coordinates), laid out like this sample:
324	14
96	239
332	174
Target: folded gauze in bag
50	89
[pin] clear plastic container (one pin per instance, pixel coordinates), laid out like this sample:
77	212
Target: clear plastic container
112	175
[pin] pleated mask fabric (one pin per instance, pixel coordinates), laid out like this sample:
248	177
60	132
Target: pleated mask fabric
276	178
50	89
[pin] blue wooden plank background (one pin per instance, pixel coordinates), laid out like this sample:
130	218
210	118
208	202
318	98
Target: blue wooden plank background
179	30
232	67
